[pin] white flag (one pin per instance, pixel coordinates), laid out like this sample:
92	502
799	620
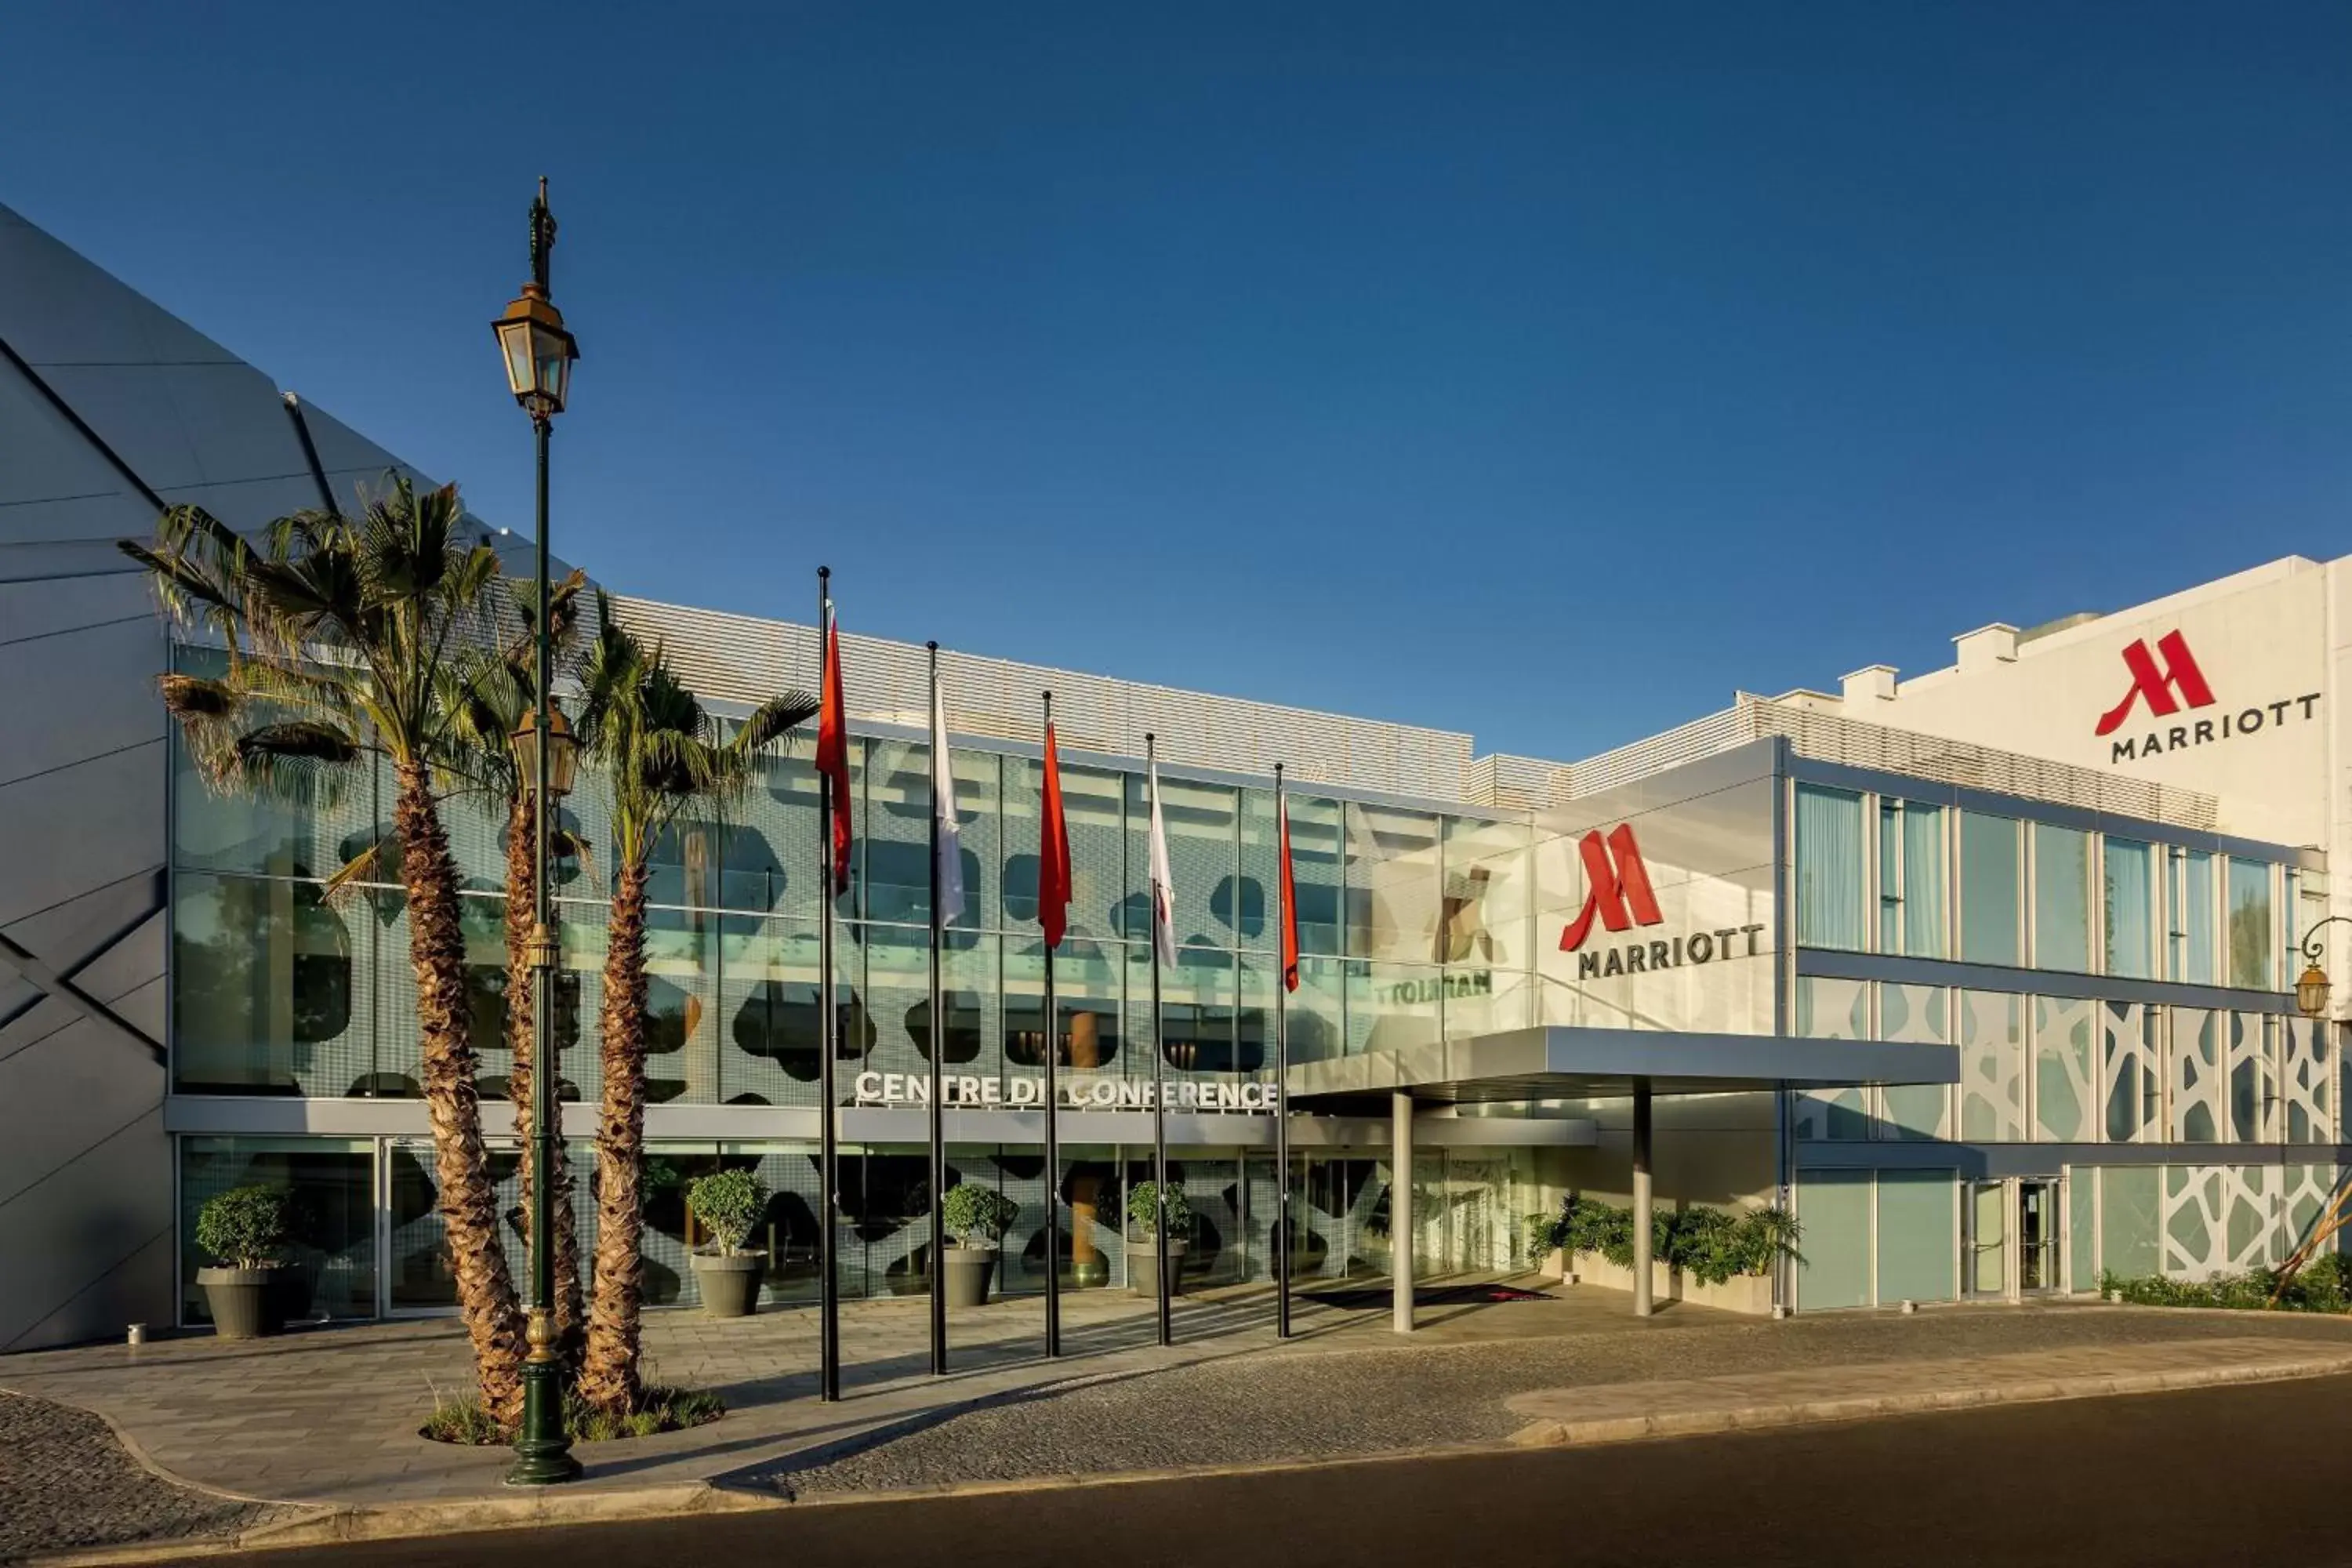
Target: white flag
1163	885
943	812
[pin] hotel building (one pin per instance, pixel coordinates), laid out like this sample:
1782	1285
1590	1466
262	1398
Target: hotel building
1985	973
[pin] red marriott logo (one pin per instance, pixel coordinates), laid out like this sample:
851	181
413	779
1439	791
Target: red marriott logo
2160	684
1616	887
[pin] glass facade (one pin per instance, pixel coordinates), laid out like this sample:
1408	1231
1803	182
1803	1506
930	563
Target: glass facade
1416	925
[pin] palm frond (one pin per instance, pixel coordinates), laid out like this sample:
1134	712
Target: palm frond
300	740
379	862
773	720
197	697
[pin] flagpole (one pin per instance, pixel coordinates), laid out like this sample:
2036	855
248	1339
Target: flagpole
939	1048
828	1143
1053	1082
1282	1066
1159	1085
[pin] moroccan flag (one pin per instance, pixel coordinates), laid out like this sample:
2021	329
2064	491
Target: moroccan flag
1289	906
833	751
1053	852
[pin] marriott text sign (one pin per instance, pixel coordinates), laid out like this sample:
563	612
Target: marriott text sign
2170	681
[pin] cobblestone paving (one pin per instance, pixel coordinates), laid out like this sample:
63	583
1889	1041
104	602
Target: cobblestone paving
1275	1407
66	1482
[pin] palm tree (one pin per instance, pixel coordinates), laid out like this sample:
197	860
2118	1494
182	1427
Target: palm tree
659	753
344	639
499	694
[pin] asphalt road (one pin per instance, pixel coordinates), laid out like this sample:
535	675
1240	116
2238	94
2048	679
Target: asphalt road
2221	1476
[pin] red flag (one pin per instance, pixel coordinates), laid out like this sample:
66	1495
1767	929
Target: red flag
832	751
1290	908
1053	852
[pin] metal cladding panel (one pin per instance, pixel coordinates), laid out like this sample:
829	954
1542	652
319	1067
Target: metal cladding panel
106	707
743	658
45	460
131	409
32	611
57	308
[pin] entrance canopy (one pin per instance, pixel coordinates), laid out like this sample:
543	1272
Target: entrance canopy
1563	1063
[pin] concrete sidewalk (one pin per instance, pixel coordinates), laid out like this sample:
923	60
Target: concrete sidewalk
330	1415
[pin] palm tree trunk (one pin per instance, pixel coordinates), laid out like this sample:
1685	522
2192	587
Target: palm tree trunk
437	951
522	877
608	1377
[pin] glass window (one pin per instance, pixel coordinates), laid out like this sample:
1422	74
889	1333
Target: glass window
2253	1092
898	838
1831	1009
1393	1006
2130	907
1393	894
2191	950
2196	1075
2250	924
2061	897
2131	1202
2063	1066
1915	1013
1315	871
1918	1252
2305	1079
1829	867
1988	889
1993	1066
1833	1205
2128	1064
1483	920
272	983
1911	880
329	1185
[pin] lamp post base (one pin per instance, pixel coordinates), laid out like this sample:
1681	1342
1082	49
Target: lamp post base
542	1453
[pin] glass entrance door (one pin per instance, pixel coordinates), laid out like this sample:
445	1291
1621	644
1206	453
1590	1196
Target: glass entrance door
2038	1261
1985	1247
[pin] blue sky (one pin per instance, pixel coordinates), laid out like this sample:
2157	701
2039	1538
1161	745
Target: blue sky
1546	372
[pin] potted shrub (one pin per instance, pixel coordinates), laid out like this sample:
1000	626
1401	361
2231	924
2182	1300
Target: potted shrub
245	1228
1143	1255
976	1216
729	1204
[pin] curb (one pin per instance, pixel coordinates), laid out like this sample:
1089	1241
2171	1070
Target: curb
337	1526
1550	1434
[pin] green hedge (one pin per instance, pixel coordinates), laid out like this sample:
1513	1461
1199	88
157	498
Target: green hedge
1709	1244
2325	1285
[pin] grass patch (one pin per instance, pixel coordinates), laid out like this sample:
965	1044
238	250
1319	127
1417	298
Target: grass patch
2325	1285
456	1420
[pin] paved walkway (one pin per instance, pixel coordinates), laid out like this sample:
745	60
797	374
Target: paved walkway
330	1415
327	1417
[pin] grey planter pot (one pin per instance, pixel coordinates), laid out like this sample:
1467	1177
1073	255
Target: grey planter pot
730	1286
968	1270
245	1302
1143	1267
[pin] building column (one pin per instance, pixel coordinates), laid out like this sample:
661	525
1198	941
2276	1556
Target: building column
1641	1223
1400	1211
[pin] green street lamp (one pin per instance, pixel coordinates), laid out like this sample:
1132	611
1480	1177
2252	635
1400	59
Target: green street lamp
2311	990
538	352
